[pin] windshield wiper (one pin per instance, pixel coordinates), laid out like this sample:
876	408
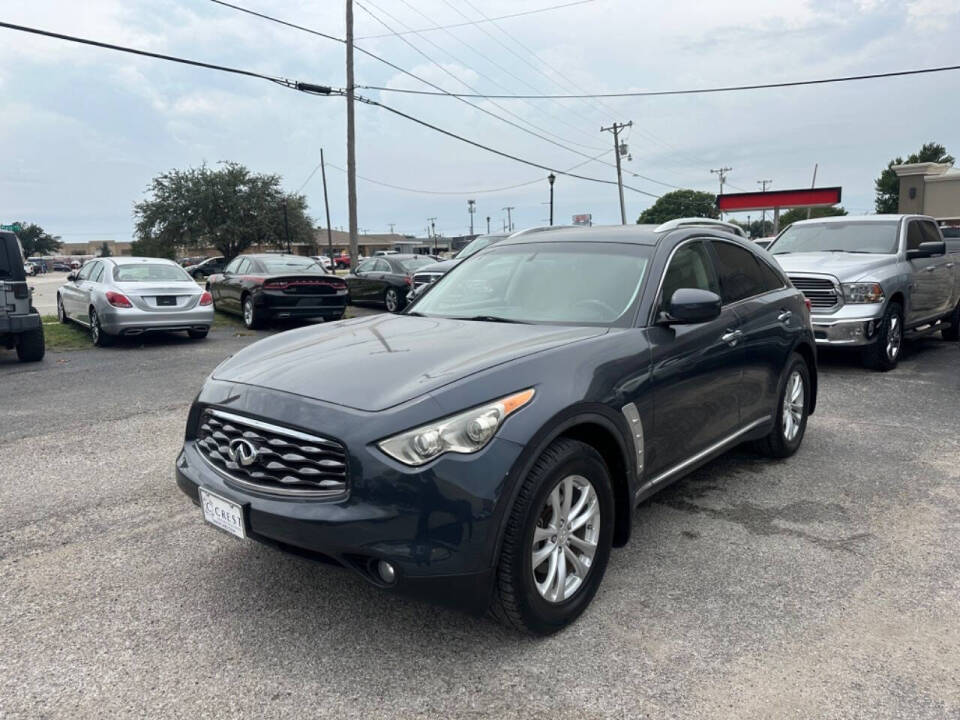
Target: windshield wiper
491	318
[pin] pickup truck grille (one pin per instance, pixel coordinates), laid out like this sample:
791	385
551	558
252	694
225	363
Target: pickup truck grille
822	293
425	278
272	459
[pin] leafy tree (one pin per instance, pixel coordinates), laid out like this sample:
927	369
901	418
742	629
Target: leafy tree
36	240
678	204
888	184
229	208
105	249
791	216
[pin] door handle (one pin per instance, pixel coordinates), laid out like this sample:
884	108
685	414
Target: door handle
930	268
731	337
949	264
785	316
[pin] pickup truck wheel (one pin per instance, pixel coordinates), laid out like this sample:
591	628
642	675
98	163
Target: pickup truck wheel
884	353
31	346
952	333
791	413
557	541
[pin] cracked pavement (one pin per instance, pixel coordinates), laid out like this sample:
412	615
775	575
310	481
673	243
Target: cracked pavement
827	585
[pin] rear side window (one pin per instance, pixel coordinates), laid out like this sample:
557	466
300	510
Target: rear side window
690	267
244	266
97	275
742	274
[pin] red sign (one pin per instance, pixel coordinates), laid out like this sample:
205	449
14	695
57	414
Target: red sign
817	197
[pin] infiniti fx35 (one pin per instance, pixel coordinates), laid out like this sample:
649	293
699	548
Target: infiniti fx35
487	448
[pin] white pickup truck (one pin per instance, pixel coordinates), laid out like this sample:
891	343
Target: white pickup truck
872	280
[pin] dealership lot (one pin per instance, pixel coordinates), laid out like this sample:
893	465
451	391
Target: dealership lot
824	585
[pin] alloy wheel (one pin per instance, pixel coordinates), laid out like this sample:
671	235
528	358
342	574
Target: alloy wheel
565	538
391	300
793	406
61	315
94	327
894	338
248	312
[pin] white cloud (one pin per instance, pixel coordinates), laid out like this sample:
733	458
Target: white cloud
933	15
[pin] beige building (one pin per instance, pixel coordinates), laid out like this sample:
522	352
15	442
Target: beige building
930	189
92	248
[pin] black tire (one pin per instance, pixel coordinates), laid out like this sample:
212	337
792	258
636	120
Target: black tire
393	300
252	316
779	443
883	354
516	601
952	333
61	313
97	335
198	334
31	346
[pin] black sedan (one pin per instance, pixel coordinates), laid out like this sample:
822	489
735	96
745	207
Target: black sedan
385	280
488	448
206	268
263	287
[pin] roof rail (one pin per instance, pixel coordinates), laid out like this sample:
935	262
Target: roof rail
701	222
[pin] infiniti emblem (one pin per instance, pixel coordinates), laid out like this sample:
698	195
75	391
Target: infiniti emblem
242	452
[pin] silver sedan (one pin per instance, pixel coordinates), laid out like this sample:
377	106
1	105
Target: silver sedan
133	295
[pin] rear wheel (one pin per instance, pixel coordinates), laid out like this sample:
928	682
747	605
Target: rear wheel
31	346
252	317
952	332
557	542
791	415
391	299
198	334
99	337
884	353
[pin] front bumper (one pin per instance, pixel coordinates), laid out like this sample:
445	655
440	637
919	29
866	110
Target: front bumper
133	321
847	329
437	525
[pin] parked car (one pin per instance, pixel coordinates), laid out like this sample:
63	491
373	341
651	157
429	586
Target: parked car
134	295
322	260
765	242
381	253
489	451
206	268
29	268
385	280
61	267
429	274
261	288
343	260
873	279
20	325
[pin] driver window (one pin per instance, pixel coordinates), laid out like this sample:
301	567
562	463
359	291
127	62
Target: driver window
690	267
86	270
914	235
381	266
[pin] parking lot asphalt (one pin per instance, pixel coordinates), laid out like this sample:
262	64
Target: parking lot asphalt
826	585
45	291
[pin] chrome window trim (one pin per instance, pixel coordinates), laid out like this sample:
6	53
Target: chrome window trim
268	427
693	459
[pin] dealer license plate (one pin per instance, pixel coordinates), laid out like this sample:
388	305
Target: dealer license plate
223	513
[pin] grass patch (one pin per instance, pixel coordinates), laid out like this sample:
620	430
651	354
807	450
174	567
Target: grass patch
59	337
227	321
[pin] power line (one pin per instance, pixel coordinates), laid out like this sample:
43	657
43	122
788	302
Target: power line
694	91
479	22
292	84
501	153
277	20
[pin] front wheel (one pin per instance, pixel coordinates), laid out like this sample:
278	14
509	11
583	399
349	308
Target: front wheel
884	353
557	542
392	300
791	414
61	313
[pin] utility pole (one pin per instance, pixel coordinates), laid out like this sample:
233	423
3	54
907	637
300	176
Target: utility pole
391	227
326	204
763	215
551	178
471	208
618	151
433	233
351	143
509	210
286	225
722	172
488	224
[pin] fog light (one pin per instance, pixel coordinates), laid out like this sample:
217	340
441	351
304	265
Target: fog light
387	572
870	328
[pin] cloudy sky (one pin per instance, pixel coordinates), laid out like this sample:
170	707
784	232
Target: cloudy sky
83	130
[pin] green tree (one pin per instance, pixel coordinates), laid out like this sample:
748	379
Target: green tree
678	204
36	240
887	186
791	216
228	207
105	249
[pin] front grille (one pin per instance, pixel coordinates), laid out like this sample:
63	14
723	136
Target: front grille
821	292
272	459
425	278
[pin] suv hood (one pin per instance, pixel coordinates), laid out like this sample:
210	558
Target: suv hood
843	266
377	362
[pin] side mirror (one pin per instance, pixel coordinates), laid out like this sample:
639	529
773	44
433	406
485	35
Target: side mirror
690	306
71	277
928	249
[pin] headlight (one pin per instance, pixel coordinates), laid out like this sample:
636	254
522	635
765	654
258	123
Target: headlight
465	433
862	293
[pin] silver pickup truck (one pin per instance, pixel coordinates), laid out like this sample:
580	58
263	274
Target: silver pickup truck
872	280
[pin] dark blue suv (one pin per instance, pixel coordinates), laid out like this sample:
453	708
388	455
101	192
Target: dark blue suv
487	448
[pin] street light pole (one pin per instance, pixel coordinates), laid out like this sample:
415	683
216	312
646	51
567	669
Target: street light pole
286	225
471	208
551	178
351	143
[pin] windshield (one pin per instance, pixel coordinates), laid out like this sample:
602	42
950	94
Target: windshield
411	264
281	265
478	244
562	283
859	237
150	272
